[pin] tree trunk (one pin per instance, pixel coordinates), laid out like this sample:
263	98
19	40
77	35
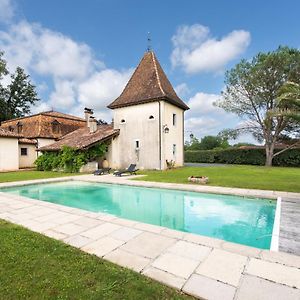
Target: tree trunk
269	154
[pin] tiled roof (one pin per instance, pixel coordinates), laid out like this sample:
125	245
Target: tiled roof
41	125
7	133
148	83
82	138
27	141
50	113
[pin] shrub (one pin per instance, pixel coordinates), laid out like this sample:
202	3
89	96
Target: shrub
68	159
289	158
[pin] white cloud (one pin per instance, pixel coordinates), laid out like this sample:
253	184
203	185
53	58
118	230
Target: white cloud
64	95
78	78
7	10
204	118
47	52
102	87
203	103
41	106
201	126
195	50
182	89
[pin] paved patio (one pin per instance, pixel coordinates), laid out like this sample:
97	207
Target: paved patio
200	266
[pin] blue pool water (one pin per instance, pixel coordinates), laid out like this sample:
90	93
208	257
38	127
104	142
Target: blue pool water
231	218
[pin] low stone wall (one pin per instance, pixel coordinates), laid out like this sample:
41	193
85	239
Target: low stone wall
89	167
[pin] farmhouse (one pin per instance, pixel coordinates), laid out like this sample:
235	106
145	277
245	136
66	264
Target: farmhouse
21	137
147	127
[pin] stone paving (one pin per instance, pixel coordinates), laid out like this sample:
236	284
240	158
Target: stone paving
200	266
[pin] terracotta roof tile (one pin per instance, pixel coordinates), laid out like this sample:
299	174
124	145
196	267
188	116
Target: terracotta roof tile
7	133
41	125
48	113
148	83
83	138
27	141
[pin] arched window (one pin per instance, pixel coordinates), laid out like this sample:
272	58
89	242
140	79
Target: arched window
151	117
20	127
55	126
10	128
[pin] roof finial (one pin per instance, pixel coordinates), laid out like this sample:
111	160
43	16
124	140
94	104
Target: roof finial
149	42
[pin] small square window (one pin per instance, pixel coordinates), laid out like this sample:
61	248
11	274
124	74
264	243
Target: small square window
174	119
24	151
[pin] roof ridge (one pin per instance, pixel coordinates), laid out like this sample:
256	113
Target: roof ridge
156	73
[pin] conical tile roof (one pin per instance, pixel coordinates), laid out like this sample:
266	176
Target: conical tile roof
147	84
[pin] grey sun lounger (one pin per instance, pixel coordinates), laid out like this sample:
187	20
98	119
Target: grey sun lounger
131	170
102	171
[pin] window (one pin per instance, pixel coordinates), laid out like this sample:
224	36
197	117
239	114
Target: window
174	119
55	126
24	151
174	149
137	144
151	118
20	127
123	121
10	128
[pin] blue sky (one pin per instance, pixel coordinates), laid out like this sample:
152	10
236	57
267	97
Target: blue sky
81	53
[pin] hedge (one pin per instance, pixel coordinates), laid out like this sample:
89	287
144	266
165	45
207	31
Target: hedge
289	158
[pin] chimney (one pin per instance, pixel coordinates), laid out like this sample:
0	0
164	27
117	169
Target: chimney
87	114
92	124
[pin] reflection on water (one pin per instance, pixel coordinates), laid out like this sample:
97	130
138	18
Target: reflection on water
232	218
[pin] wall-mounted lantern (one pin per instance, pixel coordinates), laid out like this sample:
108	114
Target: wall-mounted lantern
166	128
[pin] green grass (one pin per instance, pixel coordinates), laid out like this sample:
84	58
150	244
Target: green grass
33	266
30	175
252	177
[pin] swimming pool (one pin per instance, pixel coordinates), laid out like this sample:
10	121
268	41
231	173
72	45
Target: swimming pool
236	219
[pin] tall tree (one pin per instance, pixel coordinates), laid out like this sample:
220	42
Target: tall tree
251	92
18	96
3	72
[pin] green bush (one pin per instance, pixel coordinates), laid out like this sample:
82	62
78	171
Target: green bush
289	158
68	159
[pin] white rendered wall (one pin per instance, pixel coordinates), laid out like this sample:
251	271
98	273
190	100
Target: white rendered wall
44	142
137	127
152	153
41	142
175	135
9	158
27	161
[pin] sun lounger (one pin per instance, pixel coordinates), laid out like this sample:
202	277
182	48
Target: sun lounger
131	170
102	171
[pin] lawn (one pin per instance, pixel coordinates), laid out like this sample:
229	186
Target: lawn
29	175
33	266
252	177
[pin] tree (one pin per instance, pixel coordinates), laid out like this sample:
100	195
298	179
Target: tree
18	97
289	101
3	72
208	142
251	92
101	122
193	144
